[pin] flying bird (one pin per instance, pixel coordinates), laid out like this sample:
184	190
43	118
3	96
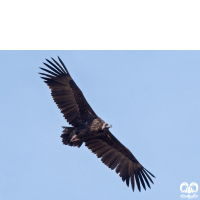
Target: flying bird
90	129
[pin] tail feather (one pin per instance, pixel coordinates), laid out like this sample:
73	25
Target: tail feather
67	135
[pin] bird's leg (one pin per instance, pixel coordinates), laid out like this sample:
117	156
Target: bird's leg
74	138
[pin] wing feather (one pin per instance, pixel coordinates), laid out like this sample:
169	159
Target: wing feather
116	156
54	68
145	178
106	156
115	160
142	181
137	180
66	94
132	178
58	65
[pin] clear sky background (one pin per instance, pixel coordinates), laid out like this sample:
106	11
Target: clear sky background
152	99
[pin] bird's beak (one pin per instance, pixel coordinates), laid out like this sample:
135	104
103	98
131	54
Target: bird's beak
109	126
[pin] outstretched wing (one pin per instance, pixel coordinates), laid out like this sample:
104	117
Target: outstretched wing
116	155
66	94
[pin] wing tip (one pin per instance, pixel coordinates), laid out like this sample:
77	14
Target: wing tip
149	172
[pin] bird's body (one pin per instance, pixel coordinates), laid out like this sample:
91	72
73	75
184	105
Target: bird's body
90	129
84	132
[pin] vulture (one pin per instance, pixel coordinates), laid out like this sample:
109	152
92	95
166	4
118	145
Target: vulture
88	128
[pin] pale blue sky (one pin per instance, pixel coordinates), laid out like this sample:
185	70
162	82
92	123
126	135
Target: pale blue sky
152	99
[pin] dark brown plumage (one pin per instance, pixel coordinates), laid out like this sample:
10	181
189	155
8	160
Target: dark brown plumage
89	128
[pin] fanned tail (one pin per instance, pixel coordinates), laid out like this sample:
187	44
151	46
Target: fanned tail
67	136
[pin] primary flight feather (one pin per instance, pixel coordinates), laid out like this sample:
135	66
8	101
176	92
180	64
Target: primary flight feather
90	129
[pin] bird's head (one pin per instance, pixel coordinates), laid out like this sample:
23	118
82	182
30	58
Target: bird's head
106	126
